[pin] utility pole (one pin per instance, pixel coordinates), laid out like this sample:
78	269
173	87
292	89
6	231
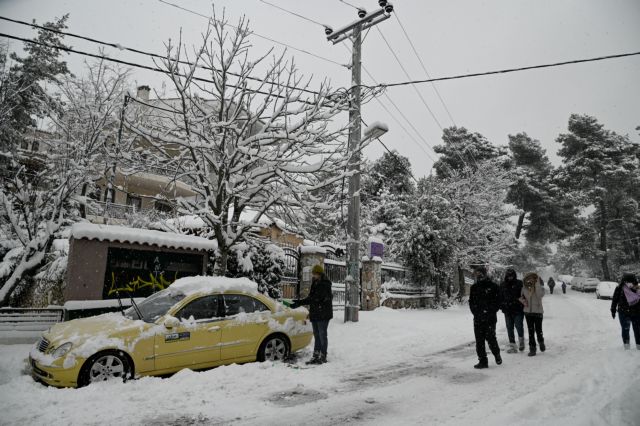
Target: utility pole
354	31
110	192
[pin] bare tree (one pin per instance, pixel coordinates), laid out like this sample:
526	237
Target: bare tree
46	190
251	146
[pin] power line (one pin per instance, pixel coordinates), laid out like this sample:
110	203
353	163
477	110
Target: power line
136	65
142	52
349	4
424	68
382	104
407	75
510	70
458	152
306	52
403	116
292	13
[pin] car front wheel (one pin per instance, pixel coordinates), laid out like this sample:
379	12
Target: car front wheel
275	348
107	365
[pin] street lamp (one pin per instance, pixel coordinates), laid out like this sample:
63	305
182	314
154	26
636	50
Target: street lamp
352	299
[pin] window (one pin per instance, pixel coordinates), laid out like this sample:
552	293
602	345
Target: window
200	309
136	202
163	206
236	303
35	146
24	145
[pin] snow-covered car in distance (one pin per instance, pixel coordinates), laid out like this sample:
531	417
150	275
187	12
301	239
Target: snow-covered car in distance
590	284
196	323
605	289
576	283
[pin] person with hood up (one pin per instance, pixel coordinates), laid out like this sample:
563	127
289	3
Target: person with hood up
320	301
532	294
551	284
484	302
626	298
510	291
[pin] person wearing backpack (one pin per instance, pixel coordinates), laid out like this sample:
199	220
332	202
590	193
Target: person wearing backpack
626	302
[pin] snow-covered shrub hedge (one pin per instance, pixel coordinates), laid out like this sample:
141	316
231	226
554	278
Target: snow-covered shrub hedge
259	261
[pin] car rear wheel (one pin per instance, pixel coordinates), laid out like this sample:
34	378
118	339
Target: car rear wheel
275	348
107	365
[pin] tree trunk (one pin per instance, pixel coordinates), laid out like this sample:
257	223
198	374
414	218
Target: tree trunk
520	224
83	206
603	241
221	264
28	263
461	284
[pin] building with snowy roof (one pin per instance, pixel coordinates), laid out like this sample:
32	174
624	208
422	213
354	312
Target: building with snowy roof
106	261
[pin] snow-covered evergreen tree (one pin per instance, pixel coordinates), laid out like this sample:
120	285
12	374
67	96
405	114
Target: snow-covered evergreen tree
602	170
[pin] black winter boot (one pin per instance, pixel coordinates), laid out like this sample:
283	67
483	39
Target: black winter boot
532	351
323	358
542	346
521	343
498	359
483	363
315	359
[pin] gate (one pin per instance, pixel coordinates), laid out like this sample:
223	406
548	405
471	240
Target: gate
290	283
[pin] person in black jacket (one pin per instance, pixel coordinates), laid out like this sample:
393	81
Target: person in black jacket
320	301
512	309
628	312
551	283
484	302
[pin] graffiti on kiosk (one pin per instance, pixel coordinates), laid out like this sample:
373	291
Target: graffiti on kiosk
138	283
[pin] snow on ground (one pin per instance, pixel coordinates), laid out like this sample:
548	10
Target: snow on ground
392	367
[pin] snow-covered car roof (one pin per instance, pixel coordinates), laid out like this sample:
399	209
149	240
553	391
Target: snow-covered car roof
121	234
190	285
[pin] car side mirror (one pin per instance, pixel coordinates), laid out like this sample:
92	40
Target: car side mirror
171	322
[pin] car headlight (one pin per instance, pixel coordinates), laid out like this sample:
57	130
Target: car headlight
61	350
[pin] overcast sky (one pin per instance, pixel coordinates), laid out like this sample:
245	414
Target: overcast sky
451	37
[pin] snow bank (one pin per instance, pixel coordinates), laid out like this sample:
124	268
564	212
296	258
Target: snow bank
122	234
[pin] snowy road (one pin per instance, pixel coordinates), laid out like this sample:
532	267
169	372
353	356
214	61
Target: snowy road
393	367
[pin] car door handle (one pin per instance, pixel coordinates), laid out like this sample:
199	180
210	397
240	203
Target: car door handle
213	329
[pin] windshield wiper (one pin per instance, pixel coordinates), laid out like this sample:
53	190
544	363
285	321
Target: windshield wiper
135	307
120	303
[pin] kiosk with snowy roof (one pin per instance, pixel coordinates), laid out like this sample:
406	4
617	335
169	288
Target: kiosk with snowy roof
106	261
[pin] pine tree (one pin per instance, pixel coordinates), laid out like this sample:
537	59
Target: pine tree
602	170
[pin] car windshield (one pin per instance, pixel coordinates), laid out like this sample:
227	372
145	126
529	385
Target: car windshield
156	305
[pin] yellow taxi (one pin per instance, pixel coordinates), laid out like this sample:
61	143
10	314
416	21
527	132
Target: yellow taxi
196	323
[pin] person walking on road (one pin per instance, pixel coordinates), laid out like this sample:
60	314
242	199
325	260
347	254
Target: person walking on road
626	299
551	284
510	292
320	301
531	299
564	287
484	302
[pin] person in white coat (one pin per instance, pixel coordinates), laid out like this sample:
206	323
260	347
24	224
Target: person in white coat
531	299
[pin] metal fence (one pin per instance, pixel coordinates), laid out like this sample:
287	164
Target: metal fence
289	286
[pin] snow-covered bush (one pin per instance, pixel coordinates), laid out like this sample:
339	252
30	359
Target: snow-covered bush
259	261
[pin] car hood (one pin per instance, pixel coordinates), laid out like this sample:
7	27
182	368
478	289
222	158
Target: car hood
105	325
